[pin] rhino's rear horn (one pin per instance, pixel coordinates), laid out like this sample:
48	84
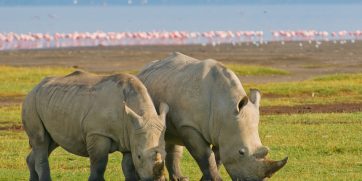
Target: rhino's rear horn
274	166
261	152
158	157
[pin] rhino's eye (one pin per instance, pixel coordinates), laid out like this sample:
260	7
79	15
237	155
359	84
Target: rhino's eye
242	152
139	156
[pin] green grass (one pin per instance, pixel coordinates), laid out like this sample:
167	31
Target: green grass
331	89
8	115
319	146
339	88
17	81
255	70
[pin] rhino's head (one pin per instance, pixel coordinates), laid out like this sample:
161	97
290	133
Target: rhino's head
241	151
148	144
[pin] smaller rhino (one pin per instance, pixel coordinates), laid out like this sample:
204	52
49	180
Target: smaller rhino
92	116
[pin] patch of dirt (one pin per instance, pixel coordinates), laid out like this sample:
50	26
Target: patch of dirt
329	58
272	96
318	108
14	127
11	100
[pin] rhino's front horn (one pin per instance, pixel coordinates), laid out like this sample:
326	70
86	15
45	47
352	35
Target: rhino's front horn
159	171
273	166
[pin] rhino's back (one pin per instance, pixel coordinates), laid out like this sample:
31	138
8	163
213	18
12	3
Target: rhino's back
176	72
185	76
79	104
177	75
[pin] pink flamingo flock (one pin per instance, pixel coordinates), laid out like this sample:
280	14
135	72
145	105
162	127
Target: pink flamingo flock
13	41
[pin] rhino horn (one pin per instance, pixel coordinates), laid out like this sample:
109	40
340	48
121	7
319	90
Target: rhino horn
159	167
261	152
273	166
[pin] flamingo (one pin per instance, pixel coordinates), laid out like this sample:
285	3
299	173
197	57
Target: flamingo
13	40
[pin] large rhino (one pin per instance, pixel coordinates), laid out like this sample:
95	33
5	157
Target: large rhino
92	116
208	106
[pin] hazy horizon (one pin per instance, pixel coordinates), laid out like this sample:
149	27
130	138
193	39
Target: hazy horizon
165	2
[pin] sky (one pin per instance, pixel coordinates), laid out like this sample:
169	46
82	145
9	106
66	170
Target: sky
166	2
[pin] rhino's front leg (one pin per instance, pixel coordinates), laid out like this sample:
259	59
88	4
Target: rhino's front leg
215	149
201	152
217	158
128	168
173	157
98	148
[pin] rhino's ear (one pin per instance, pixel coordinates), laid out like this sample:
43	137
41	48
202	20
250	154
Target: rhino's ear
163	110
244	101
255	97
135	118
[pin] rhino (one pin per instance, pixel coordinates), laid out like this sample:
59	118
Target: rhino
91	116
212	116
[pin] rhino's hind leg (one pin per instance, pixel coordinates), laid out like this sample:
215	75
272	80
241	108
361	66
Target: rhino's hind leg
30	160
39	140
201	152
98	148
128	168
173	158
37	160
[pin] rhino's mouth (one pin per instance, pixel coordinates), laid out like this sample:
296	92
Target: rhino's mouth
249	179
266	169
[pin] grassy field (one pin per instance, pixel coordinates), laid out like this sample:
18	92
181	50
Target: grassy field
18	81
339	88
319	146
329	89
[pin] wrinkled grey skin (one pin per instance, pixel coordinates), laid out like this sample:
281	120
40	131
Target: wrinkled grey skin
208	106
92	116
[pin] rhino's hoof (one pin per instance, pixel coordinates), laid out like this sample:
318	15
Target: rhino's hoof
181	178
217	179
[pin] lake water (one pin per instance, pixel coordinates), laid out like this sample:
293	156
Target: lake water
188	18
